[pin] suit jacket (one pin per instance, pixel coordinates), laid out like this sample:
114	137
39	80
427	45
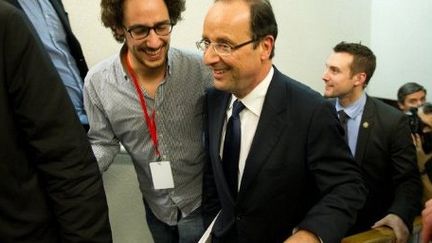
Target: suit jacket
74	45
50	187
387	158
298	173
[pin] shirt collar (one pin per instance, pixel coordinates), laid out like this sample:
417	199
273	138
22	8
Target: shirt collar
354	109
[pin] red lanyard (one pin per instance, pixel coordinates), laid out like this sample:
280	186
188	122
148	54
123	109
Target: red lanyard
151	123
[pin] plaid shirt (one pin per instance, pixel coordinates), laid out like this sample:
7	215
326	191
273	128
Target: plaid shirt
115	116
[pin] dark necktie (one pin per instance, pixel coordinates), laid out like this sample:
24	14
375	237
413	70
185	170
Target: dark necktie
343	118
231	149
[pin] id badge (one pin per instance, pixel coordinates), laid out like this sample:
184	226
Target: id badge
162	175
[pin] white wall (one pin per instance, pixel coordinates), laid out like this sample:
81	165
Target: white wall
96	40
402	41
308	29
397	31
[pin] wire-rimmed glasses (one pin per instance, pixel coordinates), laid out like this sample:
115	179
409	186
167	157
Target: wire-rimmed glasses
223	49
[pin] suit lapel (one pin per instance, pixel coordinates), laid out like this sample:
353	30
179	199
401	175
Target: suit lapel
269	129
366	125
216	113
216	110
58	7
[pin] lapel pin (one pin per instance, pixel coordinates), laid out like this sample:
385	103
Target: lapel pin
365	124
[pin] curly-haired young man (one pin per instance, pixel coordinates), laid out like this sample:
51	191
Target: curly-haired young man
149	98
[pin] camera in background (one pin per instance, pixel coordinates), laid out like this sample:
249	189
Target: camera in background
417	127
415	123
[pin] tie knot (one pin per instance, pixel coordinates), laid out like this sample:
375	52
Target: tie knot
237	108
343	117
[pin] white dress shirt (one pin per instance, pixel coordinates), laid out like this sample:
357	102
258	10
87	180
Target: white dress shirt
249	118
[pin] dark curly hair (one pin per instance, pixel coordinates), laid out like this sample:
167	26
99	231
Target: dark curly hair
363	58
112	14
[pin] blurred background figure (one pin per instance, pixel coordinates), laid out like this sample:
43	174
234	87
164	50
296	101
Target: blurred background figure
411	100
411	95
51	23
422	136
50	187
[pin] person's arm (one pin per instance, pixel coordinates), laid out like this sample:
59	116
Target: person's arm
336	175
406	178
408	190
104	143
424	161
426	233
303	236
53	137
428	171
210	199
398	226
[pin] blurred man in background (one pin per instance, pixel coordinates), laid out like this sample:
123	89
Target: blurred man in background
411	95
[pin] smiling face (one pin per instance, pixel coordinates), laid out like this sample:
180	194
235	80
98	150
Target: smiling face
241	71
149	53
338	79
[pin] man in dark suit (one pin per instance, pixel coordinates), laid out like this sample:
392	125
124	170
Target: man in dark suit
51	23
290	177
379	138
50	187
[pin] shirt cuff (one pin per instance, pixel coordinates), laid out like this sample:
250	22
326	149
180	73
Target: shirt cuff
317	236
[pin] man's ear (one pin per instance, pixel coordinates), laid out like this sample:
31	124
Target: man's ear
267	45
400	105
360	79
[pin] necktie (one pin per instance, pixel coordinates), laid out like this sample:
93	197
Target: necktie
231	149
343	118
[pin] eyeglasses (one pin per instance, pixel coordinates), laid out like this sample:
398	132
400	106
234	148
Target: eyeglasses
223	49
139	32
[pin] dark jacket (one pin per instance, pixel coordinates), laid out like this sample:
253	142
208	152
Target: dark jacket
387	157
51	189
298	173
